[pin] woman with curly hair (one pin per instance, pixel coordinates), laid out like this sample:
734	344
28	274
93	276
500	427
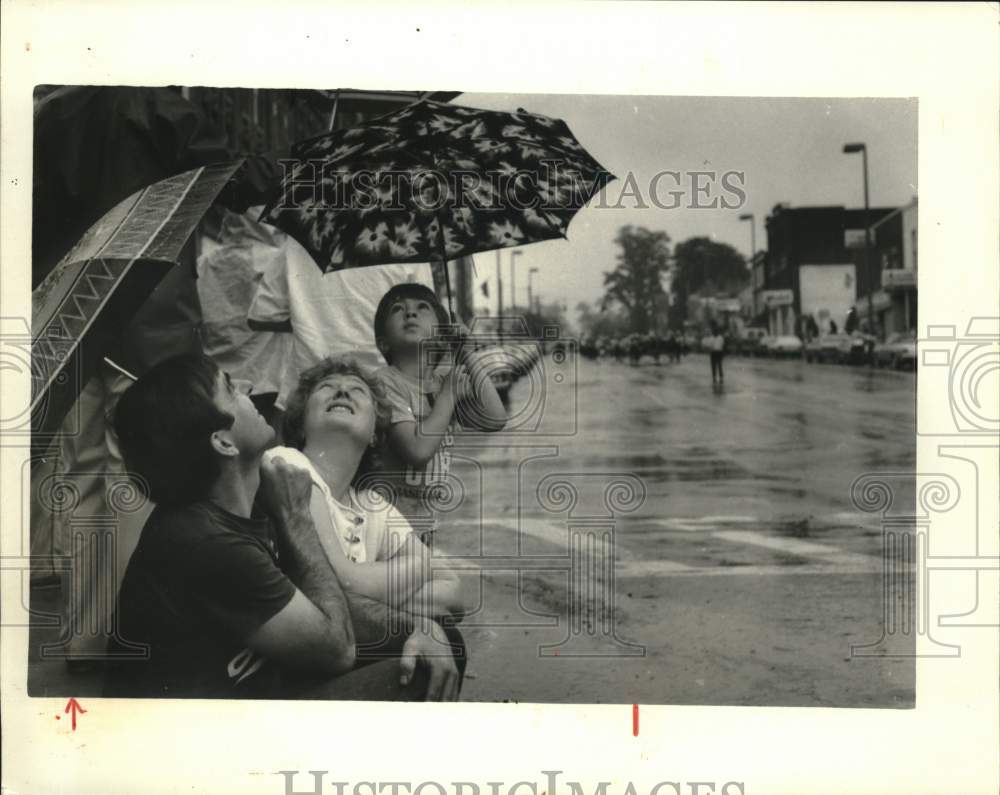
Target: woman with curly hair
333	426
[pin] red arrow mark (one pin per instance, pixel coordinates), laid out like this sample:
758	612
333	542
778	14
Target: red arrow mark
72	707
635	720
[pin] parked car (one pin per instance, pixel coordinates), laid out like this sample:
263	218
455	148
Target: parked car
761	348
749	340
899	351
826	348
813	348
855	348
747	346
906	359
785	345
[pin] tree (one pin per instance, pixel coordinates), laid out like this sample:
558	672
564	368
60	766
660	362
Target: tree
595	323
636	284
704	267
542	315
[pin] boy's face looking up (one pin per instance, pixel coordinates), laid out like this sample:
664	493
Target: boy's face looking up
409	321
250	434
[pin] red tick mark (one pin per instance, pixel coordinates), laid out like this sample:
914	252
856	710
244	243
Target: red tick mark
73	706
635	720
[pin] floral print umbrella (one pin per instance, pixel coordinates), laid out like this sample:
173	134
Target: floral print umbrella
433	181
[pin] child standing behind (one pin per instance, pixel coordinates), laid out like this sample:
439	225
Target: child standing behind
416	455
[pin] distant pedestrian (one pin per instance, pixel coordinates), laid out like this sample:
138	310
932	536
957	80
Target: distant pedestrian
716	349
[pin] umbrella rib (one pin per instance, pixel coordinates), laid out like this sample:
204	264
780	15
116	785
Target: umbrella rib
124	220
180	199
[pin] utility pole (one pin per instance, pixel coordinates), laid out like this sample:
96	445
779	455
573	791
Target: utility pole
531	302
499	297
513	279
869	278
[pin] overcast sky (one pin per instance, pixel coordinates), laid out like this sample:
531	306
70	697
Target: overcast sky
788	149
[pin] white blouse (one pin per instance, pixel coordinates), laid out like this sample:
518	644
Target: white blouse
369	528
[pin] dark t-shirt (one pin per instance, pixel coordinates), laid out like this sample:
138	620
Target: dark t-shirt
200	583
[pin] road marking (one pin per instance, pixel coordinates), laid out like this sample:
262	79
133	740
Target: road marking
853	518
685	525
796	546
698	523
731	519
654	568
695	524
649	569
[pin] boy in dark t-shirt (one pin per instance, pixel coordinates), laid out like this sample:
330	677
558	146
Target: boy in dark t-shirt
204	610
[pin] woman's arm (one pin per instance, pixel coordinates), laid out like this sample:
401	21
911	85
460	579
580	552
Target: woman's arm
391	582
444	593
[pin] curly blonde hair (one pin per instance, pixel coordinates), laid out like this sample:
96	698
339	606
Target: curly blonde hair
293	423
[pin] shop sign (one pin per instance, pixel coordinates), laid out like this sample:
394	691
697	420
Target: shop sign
899	279
774	298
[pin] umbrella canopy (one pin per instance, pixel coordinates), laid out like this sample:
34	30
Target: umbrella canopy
96	145
434	181
93	292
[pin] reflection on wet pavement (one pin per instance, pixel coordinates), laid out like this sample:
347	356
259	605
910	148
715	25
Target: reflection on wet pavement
740	485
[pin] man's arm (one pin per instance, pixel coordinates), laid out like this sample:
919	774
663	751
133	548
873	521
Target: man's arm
313	631
325	630
382	631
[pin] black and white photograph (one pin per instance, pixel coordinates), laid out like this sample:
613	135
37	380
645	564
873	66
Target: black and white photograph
520	399
590	398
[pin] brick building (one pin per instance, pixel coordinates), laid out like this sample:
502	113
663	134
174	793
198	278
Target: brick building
894	245
815	264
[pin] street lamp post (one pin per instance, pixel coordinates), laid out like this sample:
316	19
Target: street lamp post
850	149
753	256
499	298
513	279
531	304
753	236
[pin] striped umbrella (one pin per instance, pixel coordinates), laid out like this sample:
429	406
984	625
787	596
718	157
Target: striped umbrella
95	290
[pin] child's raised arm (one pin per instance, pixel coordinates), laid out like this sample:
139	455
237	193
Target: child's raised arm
485	410
417	442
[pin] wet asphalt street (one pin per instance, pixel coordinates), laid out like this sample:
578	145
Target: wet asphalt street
742	573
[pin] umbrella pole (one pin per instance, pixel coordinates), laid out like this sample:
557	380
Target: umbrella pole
447	276
447	287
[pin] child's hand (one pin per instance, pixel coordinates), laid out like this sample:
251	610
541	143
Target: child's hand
463	383
455	377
